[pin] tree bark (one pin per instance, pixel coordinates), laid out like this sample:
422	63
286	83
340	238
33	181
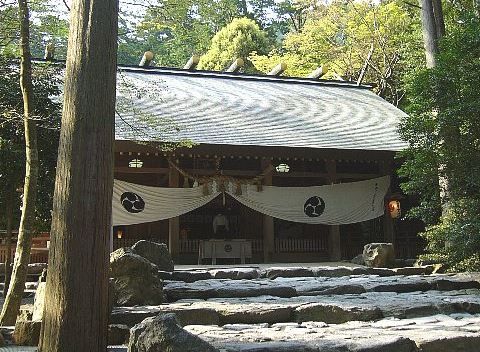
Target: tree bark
8	238
75	314
429	31
439	21
14	296
363	71
433	28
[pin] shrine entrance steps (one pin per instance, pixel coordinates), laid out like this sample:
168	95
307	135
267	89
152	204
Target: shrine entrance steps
317	308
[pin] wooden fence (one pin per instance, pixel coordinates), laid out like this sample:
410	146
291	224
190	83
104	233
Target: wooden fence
36	255
191	246
293	245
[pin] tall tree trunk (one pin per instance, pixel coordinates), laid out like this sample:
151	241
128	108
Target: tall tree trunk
13	300
75	314
363	71
429	31
439	21
8	238
433	28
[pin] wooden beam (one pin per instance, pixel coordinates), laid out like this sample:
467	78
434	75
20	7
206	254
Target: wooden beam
389	234
326	175
268	224
146	59
192	63
278	70
262	152
236	65
174	223
141	170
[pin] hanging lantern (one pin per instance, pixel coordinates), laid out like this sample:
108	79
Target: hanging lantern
394	209
119	234
282	168
135	163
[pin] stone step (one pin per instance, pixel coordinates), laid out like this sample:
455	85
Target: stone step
327	308
296	286
252	272
439	333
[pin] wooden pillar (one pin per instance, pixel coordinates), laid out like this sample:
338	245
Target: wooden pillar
388	229
174	223
334	246
268	228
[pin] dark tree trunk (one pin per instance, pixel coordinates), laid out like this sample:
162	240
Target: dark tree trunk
439	21
11	307
8	238
75	314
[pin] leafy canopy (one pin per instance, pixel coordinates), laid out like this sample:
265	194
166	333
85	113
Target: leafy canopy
442	129
238	39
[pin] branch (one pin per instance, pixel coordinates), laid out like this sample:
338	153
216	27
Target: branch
412	4
66	5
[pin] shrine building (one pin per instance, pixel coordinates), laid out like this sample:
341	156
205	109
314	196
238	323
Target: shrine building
260	144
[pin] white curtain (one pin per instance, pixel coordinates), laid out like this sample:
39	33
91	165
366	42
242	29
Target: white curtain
135	204
336	204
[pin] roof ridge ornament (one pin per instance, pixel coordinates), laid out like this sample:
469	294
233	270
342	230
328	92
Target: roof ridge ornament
278	70
192	63
146	59
236	65
318	72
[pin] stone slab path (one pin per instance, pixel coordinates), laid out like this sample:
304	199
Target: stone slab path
319	308
438	333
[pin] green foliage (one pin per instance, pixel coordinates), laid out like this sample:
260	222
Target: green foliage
45	27
340	35
443	129
12	148
237	40
177	29
455	241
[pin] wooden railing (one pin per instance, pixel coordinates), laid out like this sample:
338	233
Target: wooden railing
293	245
189	246
281	245
37	255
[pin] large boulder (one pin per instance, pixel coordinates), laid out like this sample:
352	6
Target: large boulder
157	253
358	260
379	255
163	333
135	279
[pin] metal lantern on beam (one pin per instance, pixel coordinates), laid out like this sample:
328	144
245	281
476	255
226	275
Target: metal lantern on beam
394	209
283	168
